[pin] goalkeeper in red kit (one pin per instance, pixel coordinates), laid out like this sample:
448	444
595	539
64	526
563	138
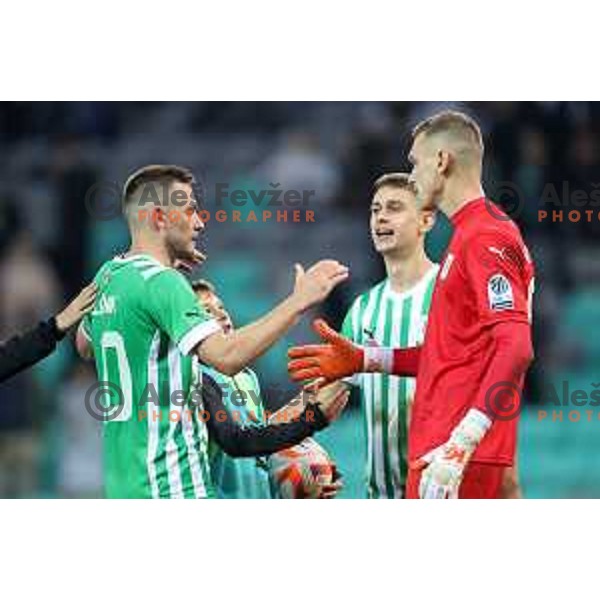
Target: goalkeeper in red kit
477	345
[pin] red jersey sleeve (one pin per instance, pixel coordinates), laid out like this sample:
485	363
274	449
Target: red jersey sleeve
500	273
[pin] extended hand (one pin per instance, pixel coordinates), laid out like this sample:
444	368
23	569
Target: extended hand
314	285
337	359
332	398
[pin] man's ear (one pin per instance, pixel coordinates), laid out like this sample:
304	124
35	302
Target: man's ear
158	218
444	161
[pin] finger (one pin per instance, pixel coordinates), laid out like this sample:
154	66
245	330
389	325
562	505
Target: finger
199	257
329	266
306	351
334	486
340	403
89	294
313	387
305	374
337	279
299	270
338	270
302	363
325	332
87	302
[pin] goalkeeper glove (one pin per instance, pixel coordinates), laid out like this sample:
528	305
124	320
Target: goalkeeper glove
445	465
336	359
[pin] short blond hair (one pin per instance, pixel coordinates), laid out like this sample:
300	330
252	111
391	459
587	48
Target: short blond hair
459	126
400	181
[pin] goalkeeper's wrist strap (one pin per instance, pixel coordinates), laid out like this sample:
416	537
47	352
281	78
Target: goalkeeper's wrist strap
470	431
377	359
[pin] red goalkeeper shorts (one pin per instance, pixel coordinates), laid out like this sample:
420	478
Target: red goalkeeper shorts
479	481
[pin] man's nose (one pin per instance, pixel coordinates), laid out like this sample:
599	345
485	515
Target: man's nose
198	222
381	217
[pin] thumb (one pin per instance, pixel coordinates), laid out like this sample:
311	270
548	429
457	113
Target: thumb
323	330
299	269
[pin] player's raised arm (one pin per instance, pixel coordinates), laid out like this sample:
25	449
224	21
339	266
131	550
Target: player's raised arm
229	354
339	358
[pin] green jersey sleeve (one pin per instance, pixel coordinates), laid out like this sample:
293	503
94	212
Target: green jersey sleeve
173	305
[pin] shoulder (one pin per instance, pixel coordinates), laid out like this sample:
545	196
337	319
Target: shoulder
497	242
489	229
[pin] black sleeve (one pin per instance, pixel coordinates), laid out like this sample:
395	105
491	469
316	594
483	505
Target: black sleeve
22	351
256	440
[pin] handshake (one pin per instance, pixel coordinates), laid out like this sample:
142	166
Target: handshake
337	358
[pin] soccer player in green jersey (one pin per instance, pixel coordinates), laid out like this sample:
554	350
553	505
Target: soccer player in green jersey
392	313
246	477
146	331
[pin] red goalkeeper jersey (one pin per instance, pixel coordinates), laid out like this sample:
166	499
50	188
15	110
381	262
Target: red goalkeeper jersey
486	277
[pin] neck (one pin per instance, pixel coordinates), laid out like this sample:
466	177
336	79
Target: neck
406	271
142	245
459	193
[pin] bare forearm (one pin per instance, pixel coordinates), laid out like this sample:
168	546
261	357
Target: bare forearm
230	354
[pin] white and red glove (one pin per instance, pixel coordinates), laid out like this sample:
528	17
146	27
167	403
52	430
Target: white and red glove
443	467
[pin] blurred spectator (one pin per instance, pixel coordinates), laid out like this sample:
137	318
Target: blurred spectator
80	444
28	293
297	163
72	177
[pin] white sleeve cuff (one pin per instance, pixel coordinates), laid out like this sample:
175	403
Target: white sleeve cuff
85	332
197	334
378	359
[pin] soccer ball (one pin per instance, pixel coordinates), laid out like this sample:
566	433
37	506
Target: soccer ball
300	471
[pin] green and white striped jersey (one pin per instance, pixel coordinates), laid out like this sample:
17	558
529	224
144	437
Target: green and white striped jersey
145	323
383	317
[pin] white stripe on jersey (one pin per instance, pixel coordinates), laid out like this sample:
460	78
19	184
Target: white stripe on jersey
153	422
393	407
172	458
186	424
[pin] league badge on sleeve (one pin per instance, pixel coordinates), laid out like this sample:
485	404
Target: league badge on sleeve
500	294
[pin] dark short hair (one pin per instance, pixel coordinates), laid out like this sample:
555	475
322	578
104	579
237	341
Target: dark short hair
155	174
397	180
202	285
458	124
